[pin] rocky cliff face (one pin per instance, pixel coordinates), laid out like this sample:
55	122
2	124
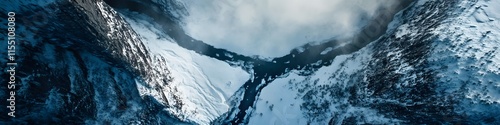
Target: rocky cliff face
79	62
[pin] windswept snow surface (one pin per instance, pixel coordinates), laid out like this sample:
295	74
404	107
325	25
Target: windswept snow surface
273	28
201	86
468	58
316	98
465	58
298	100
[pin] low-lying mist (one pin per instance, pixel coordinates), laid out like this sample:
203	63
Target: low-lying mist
271	28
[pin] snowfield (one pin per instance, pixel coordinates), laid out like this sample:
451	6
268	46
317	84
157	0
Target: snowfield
297	100
465	57
201	86
468	57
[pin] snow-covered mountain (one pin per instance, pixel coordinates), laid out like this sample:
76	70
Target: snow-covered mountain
200	88
437	64
138	62
80	63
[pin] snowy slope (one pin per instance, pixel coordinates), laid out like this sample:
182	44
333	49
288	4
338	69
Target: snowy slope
467	58
79	60
438	63
201	85
317	98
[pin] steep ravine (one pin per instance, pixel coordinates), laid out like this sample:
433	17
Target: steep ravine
263	69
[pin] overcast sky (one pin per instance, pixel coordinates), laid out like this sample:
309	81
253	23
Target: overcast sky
271	28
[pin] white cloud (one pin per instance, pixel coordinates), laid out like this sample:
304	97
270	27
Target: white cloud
272	28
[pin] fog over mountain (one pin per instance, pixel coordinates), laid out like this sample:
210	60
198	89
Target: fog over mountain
220	62
257	27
